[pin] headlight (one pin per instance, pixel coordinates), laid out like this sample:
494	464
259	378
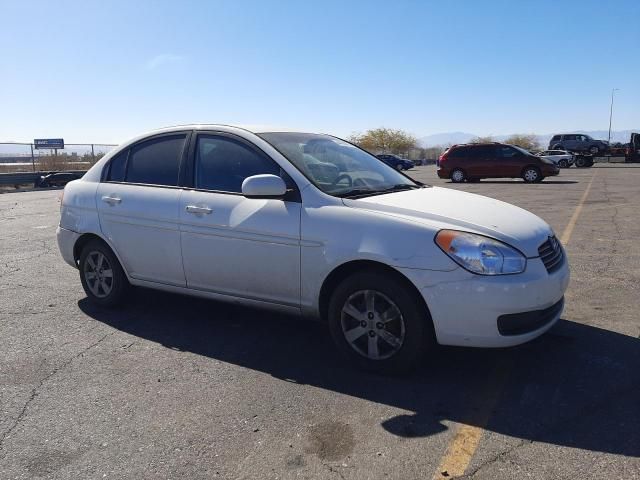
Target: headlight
481	255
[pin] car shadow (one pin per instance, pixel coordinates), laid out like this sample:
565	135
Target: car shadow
576	386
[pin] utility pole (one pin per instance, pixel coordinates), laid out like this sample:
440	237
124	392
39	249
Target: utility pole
611	113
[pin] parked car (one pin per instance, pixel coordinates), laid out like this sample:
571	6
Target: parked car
55	179
577	142
561	158
391	264
396	162
471	162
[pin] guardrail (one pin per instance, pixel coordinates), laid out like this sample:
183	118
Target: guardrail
27	177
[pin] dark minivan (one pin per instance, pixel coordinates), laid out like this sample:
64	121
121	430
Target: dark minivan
471	162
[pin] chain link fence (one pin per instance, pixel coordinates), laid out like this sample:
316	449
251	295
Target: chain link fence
24	157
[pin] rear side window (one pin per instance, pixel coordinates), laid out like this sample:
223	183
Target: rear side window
156	162
457	153
481	151
117	167
223	163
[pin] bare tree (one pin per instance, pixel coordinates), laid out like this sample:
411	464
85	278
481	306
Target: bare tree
384	140
485	139
526	141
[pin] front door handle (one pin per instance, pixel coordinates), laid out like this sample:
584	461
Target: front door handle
196	209
111	200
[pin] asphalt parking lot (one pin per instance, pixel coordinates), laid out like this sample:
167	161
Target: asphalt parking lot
176	387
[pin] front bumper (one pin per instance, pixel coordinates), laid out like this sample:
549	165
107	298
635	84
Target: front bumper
465	307
66	241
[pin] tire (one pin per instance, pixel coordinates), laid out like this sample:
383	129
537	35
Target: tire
408	328
594	150
399	167
581	162
458	176
557	147
563	163
531	175
97	259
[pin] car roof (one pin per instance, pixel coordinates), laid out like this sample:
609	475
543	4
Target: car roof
223	126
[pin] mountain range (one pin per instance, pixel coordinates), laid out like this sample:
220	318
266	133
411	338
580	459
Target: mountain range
450	138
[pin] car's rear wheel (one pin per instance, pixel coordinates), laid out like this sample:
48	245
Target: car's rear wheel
558	147
378	323
563	163
458	176
531	175
102	277
581	162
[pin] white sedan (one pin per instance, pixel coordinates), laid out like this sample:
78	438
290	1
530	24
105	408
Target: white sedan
311	224
561	158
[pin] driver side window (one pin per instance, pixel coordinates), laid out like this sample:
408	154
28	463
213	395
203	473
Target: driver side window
222	164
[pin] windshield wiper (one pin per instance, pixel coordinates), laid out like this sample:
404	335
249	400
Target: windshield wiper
367	192
356	192
398	187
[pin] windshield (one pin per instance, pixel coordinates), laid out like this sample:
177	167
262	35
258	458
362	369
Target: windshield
337	167
522	150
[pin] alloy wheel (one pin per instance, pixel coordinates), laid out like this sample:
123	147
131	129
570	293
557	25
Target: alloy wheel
457	176
372	324
530	175
98	274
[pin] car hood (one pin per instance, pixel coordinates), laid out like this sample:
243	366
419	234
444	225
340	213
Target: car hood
447	208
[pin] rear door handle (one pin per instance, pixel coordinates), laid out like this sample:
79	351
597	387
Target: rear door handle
111	200
196	209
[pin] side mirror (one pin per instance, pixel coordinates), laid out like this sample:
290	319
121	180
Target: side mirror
263	186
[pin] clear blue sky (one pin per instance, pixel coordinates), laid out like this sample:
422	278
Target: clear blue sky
102	71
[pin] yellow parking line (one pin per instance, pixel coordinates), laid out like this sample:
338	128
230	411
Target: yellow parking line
465	442
467	437
566	235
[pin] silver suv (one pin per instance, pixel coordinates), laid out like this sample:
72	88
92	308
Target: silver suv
578	142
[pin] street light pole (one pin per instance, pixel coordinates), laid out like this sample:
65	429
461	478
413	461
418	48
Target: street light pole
611	113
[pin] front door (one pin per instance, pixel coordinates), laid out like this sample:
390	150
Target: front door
231	244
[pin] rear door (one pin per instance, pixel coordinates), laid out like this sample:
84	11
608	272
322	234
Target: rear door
233	245
138	203
482	162
570	142
511	161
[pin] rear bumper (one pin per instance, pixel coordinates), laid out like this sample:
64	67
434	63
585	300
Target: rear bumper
66	241
443	173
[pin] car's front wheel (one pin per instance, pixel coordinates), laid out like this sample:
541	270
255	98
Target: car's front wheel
563	163
594	150
531	175
378	323
399	167
102	277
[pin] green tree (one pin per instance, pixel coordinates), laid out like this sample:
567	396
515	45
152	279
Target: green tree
384	140
526	141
